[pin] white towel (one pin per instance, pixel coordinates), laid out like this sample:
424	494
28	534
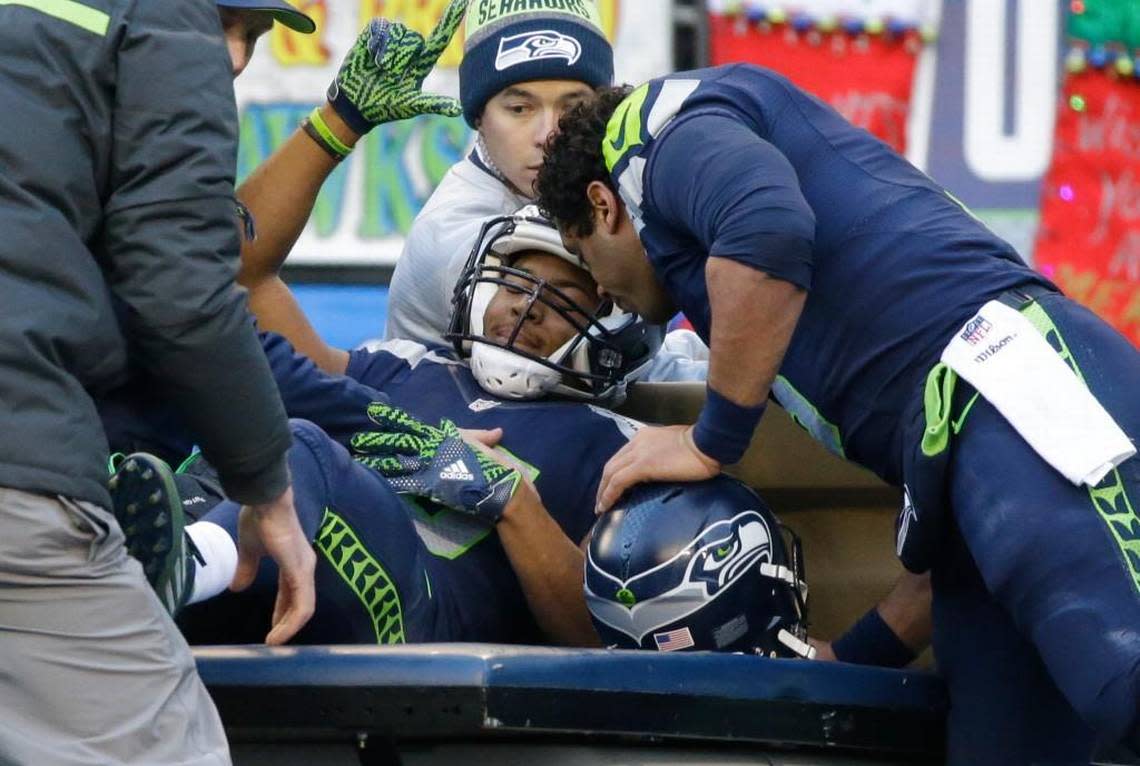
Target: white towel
1006	359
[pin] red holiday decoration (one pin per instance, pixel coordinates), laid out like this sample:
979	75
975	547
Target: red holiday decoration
866	76
1088	241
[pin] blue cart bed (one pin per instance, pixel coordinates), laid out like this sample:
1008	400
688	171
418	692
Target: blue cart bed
476	703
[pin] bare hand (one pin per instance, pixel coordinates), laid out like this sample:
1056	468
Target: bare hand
486	441
663	453
823	650
273	529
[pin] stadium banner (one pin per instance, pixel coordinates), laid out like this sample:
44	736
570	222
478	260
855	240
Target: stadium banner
980	118
860	58
369	202
1089	238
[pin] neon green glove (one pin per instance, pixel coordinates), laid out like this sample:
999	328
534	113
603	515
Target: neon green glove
436	463
381	78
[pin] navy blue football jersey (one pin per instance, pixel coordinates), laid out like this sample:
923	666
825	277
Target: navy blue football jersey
737	162
565	446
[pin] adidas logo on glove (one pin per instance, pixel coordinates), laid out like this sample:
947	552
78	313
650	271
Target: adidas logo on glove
457	470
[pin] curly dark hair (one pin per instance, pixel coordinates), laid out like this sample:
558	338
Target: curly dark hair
573	158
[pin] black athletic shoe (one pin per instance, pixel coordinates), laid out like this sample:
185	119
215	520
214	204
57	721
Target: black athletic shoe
149	509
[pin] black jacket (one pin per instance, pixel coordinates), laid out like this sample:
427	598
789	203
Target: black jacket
117	154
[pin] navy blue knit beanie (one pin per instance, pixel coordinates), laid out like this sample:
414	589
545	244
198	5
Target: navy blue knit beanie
511	41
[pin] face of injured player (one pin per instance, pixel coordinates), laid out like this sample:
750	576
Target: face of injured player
545	329
517	121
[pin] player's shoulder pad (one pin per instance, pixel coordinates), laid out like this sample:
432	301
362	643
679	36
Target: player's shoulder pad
411	352
635	123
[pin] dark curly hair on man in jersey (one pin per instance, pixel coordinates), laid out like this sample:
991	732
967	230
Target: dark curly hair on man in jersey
573	158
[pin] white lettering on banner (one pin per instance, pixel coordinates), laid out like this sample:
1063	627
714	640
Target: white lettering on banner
1126	260
1119	201
1114	129
991	153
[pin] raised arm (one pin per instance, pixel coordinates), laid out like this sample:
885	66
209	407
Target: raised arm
280	195
380	80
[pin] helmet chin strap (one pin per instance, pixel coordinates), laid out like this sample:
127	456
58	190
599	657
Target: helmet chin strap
786	575
795	644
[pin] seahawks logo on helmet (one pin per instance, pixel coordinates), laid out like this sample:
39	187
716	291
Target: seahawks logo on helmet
691	579
535	46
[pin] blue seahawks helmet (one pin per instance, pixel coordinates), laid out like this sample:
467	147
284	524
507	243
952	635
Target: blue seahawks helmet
697	566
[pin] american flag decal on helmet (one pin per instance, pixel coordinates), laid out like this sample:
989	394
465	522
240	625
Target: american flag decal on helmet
674	640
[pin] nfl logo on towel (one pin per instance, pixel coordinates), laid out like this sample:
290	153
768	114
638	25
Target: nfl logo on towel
672	640
976	329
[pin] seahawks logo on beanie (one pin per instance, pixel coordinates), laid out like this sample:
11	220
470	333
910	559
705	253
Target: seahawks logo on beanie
513	41
532	46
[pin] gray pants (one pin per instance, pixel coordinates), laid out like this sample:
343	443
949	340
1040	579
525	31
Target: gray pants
92	670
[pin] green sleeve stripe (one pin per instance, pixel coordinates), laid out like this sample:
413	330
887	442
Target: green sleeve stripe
807	416
70	11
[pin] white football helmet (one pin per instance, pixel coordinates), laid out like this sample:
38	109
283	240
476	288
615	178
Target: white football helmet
610	349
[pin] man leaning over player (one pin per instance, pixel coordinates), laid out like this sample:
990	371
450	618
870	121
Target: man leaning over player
829	273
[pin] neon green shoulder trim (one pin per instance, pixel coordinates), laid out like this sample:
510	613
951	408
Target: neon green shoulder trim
70	11
623	131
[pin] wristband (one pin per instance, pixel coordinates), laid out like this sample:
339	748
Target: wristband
872	642
724	429
248	229
317	129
